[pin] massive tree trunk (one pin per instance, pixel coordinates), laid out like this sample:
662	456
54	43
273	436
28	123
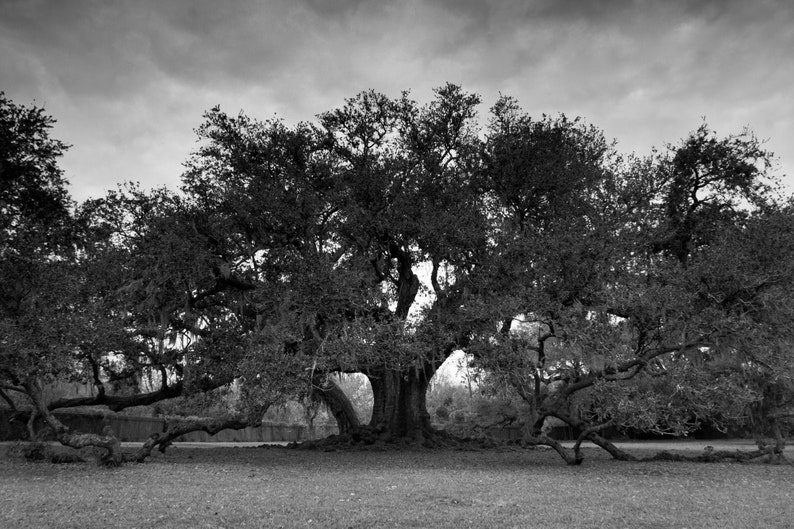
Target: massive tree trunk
400	402
399	409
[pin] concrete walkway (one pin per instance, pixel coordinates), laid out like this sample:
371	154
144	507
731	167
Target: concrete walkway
673	445
692	445
695	445
137	444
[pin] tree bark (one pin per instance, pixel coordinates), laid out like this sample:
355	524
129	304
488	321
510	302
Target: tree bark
162	440
558	408
329	392
613	450
400	402
8	400
32	424
66	436
571	457
591	433
120	402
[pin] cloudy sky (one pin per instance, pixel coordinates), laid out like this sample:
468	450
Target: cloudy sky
128	81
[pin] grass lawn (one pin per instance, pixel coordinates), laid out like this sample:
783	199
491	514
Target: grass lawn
278	487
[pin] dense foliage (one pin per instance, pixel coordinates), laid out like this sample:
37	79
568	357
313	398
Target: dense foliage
650	293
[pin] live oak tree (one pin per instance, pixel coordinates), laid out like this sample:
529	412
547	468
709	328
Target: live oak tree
548	257
606	290
331	224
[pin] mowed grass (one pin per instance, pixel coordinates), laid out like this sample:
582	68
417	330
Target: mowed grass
279	487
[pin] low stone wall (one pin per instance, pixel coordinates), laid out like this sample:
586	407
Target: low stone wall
128	428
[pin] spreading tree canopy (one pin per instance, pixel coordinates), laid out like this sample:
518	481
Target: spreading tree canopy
641	292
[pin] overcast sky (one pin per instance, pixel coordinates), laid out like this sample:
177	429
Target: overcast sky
128	81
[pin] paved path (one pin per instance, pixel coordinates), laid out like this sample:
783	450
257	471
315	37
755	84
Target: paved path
137	444
687	444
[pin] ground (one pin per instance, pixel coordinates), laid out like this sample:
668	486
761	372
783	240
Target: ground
238	487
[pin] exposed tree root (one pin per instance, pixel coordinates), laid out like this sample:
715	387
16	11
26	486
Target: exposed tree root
773	453
39	451
721	456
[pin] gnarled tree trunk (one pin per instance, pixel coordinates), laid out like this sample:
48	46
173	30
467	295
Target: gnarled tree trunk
329	392
400	402
65	435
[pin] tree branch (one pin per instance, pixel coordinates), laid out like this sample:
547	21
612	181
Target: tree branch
163	440
118	402
434	279
630	367
8	399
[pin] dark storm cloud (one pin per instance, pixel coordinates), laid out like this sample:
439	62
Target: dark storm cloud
129	80
117	42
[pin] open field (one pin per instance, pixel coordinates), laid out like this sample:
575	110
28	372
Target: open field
227	487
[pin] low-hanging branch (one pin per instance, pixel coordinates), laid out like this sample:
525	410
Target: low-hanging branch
120	402
161	441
